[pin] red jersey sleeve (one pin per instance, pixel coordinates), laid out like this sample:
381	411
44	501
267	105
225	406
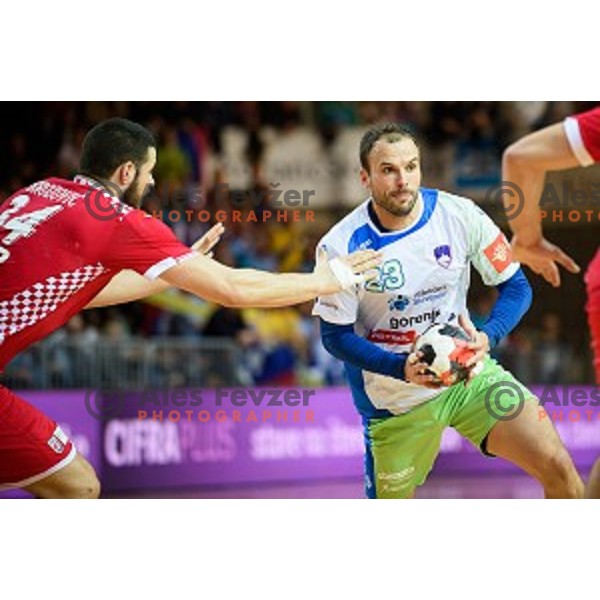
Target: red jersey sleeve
144	244
583	133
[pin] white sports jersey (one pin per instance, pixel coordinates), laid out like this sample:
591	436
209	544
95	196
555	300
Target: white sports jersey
423	278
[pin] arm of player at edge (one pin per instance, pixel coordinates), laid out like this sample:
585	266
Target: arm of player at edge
525	164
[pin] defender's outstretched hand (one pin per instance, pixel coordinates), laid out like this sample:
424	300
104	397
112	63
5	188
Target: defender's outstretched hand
543	258
209	240
345	271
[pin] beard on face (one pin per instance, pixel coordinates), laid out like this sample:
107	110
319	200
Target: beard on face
389	203
133	195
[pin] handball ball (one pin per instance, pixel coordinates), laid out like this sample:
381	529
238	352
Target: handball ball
444	349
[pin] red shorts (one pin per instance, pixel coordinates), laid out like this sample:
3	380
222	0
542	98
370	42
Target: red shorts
32	446
592	281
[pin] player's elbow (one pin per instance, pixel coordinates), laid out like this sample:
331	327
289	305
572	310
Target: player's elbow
333	337
99	301
92	304
524	289
527	296
519	155
329	343
519	288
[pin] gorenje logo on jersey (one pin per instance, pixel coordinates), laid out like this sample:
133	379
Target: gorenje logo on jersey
402	322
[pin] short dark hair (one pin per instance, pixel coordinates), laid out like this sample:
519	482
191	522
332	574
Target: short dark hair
390	132
112	143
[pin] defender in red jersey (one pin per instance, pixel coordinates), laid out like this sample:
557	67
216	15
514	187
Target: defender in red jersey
572	143
67	245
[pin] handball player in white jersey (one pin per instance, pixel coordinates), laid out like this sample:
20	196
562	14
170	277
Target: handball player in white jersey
429	239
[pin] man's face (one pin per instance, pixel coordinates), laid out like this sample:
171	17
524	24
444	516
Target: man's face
143	182
394	175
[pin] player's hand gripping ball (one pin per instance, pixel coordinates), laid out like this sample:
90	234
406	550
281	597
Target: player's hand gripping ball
444	349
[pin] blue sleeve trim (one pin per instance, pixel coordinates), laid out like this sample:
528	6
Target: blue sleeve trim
512	303
341	341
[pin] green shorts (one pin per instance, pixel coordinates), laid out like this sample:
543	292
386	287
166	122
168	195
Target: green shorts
401	450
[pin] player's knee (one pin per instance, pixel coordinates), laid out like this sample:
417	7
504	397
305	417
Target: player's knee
518	155
88	488
559	476
79	482
85	489
592	489
86	485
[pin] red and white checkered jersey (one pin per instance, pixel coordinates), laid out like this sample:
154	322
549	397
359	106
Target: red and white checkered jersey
583	133
60	243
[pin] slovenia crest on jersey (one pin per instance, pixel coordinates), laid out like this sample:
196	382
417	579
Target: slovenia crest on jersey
443	256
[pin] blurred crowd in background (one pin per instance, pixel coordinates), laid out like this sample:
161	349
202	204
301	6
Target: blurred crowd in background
259	148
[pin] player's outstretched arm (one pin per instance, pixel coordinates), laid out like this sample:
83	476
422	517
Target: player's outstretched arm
128	285
241	288
524	164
